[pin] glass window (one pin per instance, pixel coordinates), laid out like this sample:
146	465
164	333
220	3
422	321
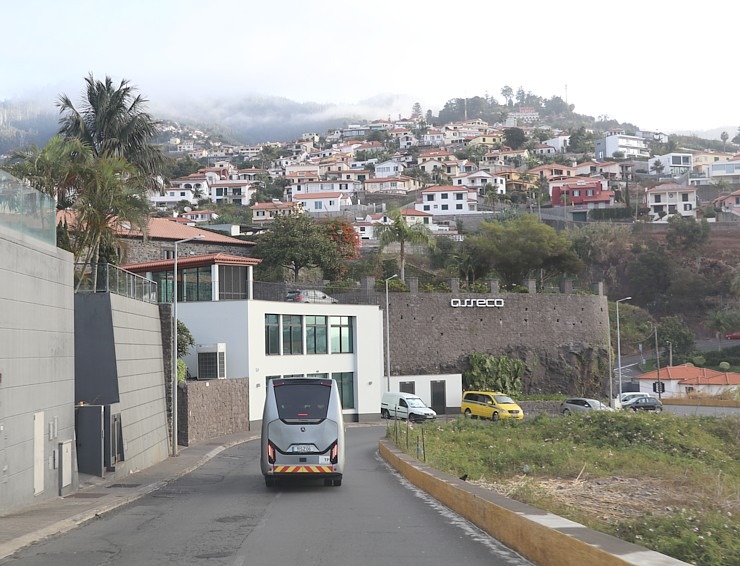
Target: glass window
445	207
292	334
346	385
459	196
272	334
316	335
232	282
341	334
445	196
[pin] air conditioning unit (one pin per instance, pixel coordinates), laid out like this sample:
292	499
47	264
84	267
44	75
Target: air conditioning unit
211	361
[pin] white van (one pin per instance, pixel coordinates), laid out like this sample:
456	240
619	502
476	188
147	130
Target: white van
397	405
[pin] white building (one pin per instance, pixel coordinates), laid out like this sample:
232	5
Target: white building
447	199
479	180
323	202
671	199
673	164
633	147
390	168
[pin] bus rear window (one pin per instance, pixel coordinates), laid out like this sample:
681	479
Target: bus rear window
302	401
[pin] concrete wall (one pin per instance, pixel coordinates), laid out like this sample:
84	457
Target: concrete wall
209	409
127	370
36	367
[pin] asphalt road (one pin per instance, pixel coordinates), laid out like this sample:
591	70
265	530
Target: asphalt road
223	515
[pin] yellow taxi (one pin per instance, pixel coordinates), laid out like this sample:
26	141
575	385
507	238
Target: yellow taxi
490	405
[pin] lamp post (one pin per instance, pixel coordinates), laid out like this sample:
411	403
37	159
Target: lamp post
388	337
174	349
619	351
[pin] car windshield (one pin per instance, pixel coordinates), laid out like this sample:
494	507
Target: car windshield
415	402
503	399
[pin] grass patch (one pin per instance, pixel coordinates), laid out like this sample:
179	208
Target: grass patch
669	483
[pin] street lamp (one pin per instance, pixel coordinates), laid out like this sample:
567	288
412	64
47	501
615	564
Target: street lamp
388	336
174	350
619	350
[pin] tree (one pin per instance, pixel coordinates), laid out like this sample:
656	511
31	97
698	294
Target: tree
736	139
674	329
520	247
508	93
416	111
514	137
657	167
342	234
723	321
52	169
294	242
687	233
113	196
399	231
113	122
724	137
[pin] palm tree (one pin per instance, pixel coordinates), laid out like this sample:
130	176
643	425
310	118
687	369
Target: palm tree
399	231
114	197
113	122
52	169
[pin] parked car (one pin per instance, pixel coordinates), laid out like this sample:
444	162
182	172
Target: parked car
490	405
582	404
401	405
733	335
627	397
644	404
309	296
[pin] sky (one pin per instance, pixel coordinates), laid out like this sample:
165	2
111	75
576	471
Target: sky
660	65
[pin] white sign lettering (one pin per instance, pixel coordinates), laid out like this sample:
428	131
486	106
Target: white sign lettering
485	303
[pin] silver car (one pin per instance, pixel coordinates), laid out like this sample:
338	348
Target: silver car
581	404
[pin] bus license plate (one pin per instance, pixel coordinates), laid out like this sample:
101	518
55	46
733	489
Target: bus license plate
301	448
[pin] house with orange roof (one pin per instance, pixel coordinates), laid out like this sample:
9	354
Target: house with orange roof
433	137
161	235
447	200
492	139
436	155
587	194
352	174
347	188
685	380
173	196
729	203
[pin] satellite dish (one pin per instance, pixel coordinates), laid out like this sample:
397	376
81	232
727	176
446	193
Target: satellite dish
188	209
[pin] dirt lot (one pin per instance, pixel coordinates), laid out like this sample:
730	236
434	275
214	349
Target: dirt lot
608	500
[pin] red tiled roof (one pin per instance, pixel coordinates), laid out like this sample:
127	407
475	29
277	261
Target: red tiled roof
163	229
190	262
678	373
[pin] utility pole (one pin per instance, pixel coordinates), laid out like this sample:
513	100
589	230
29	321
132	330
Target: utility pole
657	358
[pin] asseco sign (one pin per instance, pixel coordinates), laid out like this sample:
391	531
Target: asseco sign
484	303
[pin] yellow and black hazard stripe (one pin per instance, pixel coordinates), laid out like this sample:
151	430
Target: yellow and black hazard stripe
302	469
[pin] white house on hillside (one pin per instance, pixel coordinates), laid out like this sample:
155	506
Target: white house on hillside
447	200
323	202
671	199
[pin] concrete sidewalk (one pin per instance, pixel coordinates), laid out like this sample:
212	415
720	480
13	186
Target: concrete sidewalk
97	496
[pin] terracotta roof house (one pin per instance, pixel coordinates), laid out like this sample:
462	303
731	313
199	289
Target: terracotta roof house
159	242
686	379
266	211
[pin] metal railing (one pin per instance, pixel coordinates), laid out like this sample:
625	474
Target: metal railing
107	278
